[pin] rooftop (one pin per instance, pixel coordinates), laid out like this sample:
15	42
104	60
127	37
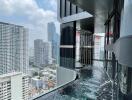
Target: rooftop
10	74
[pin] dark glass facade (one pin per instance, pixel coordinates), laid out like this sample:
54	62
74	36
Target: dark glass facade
73	9
79	10
70	53
67	8
62	8
67	45
68	33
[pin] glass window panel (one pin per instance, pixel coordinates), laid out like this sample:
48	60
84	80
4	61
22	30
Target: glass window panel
67	55
68	34
73	9
79	10
67	8
62	6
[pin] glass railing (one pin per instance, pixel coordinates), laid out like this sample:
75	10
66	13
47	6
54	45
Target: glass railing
63	78
92	84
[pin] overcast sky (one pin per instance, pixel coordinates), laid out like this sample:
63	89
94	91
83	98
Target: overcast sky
33	14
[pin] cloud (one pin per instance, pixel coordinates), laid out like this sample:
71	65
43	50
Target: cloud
27	8
48	4
36	18
53	3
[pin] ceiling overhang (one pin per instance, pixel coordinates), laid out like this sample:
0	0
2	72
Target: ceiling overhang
87	24
94	6
99	9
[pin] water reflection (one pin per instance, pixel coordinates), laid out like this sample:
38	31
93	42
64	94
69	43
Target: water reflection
86	73
87	87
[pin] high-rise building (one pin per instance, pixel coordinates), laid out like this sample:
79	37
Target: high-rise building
25	87
76	39
53	37
42	52
31	56
110	19
51	31
13	48
47	52
37	52
14	86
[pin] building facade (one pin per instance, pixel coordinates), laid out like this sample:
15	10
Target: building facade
51	31
37	83
76	40
31	56
53	37
13	48
42	52
25	87
14	86
112	18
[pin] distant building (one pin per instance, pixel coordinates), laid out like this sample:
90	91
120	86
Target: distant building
37	51
31	60
47	52
53	37
51	31
31	52
13	48
14	86
38	83
42	52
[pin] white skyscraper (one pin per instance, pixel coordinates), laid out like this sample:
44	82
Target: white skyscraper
14	86
13	48
42	52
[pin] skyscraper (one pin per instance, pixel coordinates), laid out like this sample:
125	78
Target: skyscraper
53	37
13	48
42	52
76	37
51	31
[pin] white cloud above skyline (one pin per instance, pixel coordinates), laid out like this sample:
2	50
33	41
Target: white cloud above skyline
29	14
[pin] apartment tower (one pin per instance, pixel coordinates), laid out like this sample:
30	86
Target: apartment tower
13	48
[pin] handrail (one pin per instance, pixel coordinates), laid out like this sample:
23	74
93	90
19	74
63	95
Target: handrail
63	85
49	92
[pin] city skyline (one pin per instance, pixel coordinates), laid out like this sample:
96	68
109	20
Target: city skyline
35	22
65	50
